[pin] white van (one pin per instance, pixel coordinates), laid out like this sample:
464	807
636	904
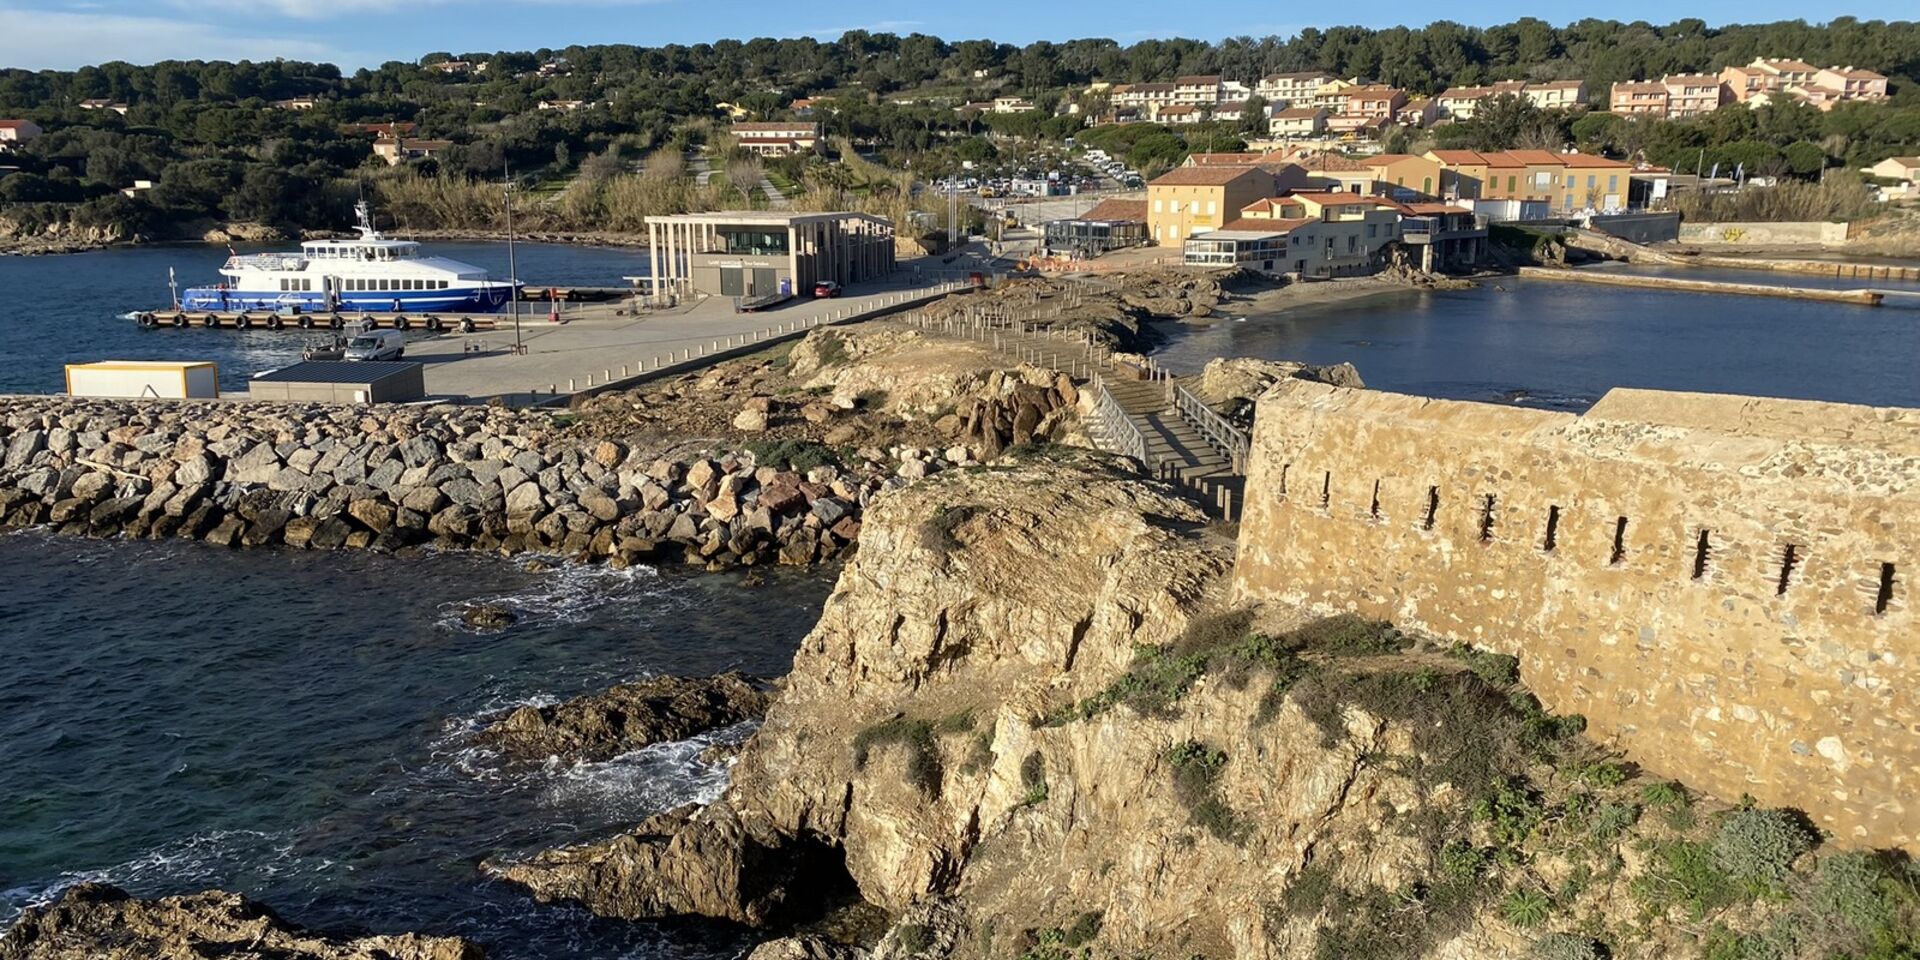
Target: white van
377	345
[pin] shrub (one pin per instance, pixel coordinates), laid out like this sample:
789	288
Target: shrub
1083	929
1526	908
1462	861
1495	668
937	532
1348	635
1511	811
913	937
923	757
1682	873
796	455
1566	946
1665	795
1196	770
1757	846
1154	685
1602	773
1033	776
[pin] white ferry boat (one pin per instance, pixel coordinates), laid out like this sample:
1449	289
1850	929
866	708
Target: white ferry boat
371	274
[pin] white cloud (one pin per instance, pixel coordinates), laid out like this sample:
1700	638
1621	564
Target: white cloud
878	26
45	39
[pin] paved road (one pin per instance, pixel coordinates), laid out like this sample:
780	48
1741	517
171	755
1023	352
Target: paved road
569	357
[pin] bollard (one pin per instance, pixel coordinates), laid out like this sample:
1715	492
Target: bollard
623	371
570	387
606	375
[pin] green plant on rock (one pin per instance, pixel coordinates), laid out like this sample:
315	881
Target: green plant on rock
1682	873
1526	907
1757	846
1566	946
913	937
1664	795
1196	772
1511	812
923	752
938	533
1033	776
798	456
1495	668
1084	928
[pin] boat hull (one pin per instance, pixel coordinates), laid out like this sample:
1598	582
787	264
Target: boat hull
476	300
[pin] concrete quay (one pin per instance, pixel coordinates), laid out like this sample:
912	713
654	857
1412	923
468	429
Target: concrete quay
1870	298
596	350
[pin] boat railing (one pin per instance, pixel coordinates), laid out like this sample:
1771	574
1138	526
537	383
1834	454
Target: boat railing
266	261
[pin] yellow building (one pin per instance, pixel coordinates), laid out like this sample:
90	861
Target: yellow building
1187	200
1410	173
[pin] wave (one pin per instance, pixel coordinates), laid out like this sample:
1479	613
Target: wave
566	594
212	859
643	782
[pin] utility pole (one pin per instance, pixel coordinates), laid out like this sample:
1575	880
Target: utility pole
513	268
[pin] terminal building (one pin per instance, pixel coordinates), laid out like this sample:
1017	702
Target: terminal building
765	253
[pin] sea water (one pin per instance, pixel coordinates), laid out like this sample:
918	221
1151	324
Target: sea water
297	727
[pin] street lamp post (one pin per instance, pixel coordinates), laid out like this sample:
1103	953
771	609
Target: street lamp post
513	268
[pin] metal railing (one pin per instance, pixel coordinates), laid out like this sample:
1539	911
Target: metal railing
1231	441
1116	427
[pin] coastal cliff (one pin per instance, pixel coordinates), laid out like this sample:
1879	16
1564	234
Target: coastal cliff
1027	725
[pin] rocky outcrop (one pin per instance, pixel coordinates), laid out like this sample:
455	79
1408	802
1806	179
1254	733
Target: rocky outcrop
603	725
691	861
98	922
899	737
1233	385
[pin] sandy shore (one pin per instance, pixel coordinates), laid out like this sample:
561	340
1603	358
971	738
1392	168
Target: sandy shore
1317	293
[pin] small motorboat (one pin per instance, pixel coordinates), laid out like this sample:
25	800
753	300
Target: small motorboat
334	349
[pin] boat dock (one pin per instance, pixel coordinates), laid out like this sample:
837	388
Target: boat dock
1862	297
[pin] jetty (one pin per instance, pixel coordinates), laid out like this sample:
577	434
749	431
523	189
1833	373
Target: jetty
1862	297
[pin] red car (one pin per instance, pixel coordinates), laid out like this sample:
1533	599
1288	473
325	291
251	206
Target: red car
825	289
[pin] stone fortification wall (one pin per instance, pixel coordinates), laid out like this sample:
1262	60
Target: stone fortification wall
1720	584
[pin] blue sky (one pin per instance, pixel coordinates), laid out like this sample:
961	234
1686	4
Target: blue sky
353	33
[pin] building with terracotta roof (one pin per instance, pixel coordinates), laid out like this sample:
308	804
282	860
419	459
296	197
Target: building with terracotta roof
1567	182
16	132
1638	98
1418	113
1111	224
1375	101
1188	200
1405	175
1297	122
1767	81
776	138
400	150
1460	103
1287	89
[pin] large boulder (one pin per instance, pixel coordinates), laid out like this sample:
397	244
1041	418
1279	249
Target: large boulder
603	725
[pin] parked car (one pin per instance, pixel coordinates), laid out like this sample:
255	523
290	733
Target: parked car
826	289
377	345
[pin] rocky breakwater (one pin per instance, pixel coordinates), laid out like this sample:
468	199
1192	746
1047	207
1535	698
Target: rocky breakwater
327	477
97	922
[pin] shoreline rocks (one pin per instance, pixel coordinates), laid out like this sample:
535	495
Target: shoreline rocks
94	921
335	477
601	726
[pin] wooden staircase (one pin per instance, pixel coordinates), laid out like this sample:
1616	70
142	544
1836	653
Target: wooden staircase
1137	412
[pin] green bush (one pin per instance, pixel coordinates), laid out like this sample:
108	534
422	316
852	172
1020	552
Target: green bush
923	757
1682	873
1566	946
1495	668
796	455
1758	846
913	937
1526	908
1033	776
1196	770
1083	929
1665	795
